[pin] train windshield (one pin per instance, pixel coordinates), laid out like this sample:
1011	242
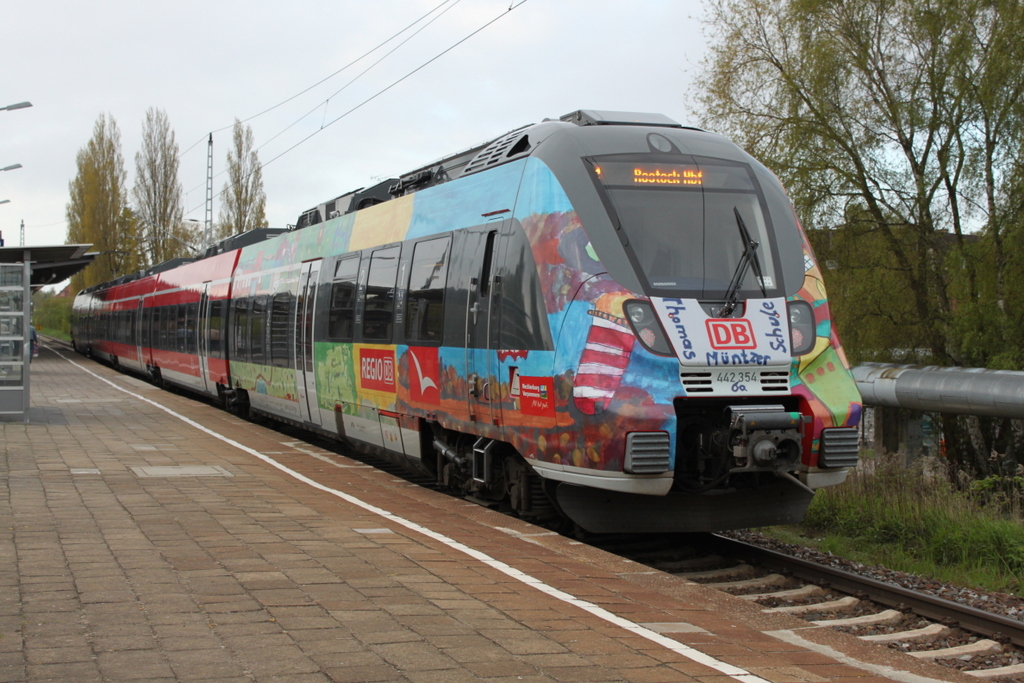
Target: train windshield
681	223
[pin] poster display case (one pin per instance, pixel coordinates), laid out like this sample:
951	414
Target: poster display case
14	337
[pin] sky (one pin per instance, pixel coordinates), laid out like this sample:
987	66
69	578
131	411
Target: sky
208	62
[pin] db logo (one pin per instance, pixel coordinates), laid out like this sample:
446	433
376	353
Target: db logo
736	333
377	369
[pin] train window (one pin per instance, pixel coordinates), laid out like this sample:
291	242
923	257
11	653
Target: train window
282	332
216	348
169	322
258	329
341	318
147	320
191	313
424	320
240	336
684	220
485	273
379	309
165	323
347	268
165	318
179	330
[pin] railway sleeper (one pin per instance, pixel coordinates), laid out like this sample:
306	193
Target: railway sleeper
977	648
737	571
998	672
883	618
766	581
809	591
679	567
927	633
849	602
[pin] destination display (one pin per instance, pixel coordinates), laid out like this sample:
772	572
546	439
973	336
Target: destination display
653	175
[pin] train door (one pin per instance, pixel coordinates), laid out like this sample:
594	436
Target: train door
203	330
305	364
481	330
137	334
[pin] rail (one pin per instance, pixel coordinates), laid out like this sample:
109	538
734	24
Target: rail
928	606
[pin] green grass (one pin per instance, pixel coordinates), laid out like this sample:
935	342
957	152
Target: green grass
906	520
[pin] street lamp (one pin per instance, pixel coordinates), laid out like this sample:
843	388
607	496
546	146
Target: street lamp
5	201
11	167
19	105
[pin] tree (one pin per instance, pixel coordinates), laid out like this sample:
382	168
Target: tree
157	192
51	313
244	202
897	126
98	211
895	119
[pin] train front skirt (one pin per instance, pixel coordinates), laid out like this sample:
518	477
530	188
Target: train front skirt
606	512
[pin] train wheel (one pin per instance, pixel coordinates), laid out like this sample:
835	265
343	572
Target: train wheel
527	493
237	403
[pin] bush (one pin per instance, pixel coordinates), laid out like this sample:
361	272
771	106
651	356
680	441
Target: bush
52	315
904	515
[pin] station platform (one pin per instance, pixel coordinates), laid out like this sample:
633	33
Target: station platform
148	536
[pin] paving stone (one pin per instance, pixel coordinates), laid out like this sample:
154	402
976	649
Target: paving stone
413	656
258	576
134	665
79	672
364	674
203	664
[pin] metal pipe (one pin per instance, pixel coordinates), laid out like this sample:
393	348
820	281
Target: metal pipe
963	391
448	452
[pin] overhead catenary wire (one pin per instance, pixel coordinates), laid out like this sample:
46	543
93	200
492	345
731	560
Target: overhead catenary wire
511	7
325	103
362	73
322	80
325	124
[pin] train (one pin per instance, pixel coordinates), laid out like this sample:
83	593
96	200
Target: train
609	322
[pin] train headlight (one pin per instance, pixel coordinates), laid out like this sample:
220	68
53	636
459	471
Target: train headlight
802	330
647	328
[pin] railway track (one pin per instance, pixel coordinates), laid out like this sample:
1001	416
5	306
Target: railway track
986	645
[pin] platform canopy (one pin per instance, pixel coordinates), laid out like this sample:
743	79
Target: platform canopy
52	264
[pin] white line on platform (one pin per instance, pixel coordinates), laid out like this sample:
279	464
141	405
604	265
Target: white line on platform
695	655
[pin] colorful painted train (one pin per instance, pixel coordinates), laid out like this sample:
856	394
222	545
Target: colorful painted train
609	318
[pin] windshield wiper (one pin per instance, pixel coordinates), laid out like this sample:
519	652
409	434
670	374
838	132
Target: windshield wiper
747	260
